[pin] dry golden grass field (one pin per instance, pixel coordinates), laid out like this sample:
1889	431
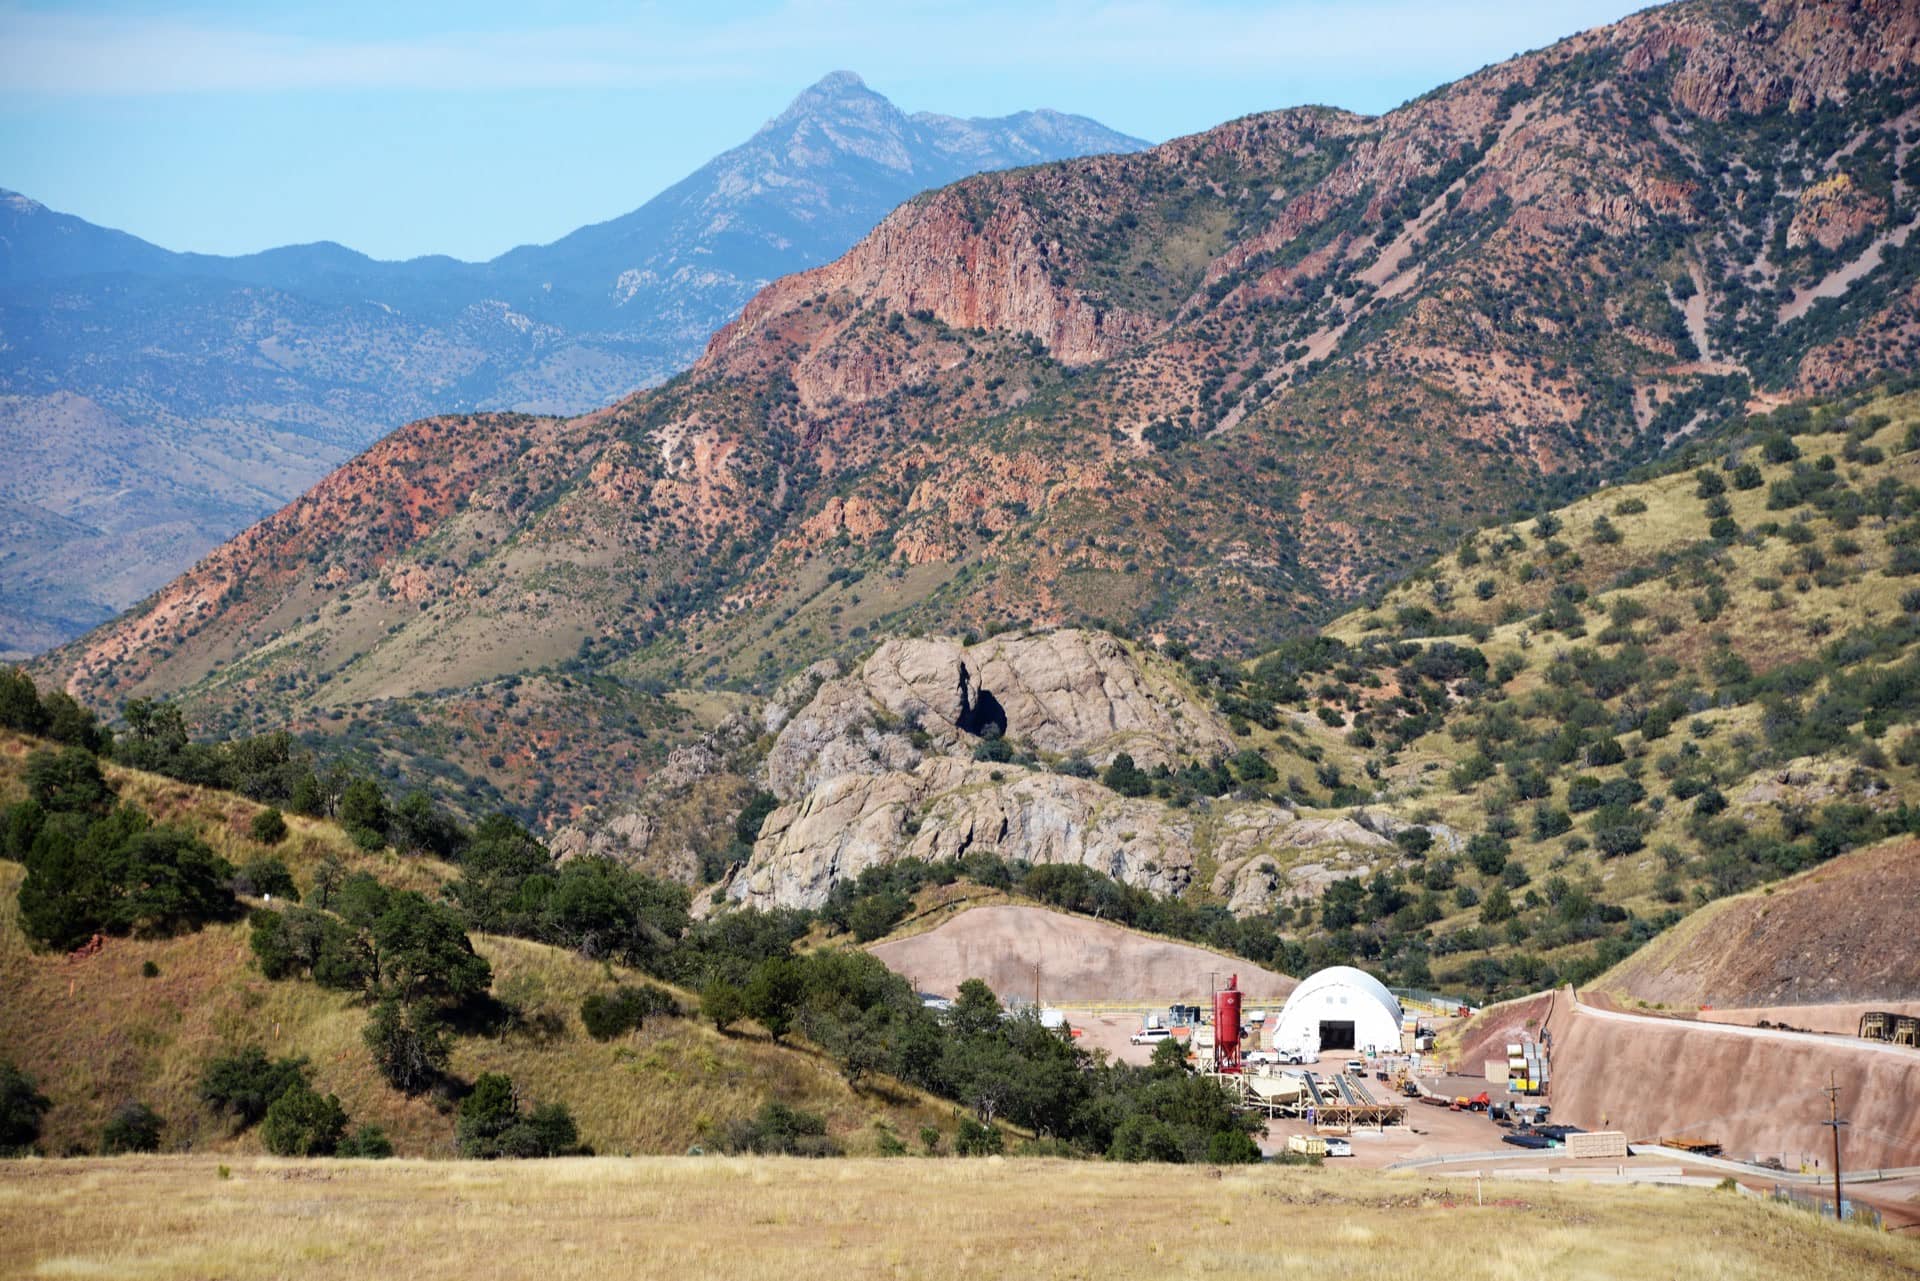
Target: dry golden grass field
166	1218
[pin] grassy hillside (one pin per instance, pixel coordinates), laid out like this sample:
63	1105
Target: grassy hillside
1668	691
95	1032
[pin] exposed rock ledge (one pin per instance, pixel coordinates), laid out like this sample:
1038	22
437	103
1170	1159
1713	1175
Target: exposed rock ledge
947	808
1065	693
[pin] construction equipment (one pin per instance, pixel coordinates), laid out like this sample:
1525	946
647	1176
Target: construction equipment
1687	1143
1886	1025
1478	1103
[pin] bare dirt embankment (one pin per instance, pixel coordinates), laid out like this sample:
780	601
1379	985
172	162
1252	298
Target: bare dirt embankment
1845	931
1759	1093
1078	959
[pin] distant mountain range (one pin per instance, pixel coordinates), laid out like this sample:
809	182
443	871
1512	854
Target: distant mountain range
161	401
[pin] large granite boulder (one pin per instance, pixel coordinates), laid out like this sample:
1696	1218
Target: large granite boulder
1065	693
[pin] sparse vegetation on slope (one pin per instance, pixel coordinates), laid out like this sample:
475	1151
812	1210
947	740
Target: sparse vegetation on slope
1663	693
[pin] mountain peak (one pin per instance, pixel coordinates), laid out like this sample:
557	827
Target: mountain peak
837	94
839	82
837	89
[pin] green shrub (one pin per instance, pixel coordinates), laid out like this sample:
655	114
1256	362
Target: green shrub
21	1104
302	1122
746	827
266	877
875	915
269	827
67	782
546	1131
625	1009
1907	750
780	1130
975	1139
1232	1147
114	872
244	1085
135	1127
485	1115
408	1044
369	1142
722	1004
20	707
1126	778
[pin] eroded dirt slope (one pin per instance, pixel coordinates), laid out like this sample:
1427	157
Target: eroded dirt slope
1844	931
1079	960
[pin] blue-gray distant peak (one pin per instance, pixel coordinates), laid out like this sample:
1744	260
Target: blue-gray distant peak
305	353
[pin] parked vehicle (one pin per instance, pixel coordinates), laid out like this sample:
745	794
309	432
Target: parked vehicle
1339	1147
1150	1035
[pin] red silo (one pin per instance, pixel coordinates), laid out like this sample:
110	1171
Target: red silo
1226	1026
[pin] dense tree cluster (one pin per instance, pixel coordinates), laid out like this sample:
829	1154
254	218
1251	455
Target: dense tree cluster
493	1123
95	866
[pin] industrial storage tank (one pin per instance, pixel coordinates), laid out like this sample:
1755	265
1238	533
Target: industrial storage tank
1226	1026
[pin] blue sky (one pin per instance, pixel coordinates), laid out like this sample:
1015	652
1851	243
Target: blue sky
402	129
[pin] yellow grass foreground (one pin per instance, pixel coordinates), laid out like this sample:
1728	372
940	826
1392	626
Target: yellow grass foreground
790	1220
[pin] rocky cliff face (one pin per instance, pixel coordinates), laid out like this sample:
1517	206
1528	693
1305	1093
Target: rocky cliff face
1201	392
947	808
1068	693
881	765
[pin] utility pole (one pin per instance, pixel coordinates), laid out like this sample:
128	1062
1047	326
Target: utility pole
1036	988
1833	1122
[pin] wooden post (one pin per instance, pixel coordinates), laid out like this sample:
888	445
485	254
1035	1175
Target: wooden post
1833	1122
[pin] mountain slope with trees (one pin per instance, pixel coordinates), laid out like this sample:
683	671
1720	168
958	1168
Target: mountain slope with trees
1512	769
1205	392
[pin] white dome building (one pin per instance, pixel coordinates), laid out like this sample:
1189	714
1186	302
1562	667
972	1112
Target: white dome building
1339	1008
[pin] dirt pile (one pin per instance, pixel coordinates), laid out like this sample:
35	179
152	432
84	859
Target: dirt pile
1841	932
1078	960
